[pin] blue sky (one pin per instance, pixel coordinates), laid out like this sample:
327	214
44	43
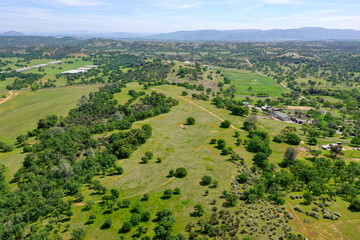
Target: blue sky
155	16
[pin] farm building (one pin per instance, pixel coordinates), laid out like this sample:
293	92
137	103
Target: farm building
281	116
328	146
80	69
246	104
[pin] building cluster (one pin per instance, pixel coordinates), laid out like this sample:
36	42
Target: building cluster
296	115
328	146
80	69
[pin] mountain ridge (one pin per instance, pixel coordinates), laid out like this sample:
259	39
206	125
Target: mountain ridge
244	35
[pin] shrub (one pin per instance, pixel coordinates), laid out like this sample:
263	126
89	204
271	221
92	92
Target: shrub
355	205
168	193
292	139
145	197
78	234
107	223
190	121
177	191
126	227
206	180
180	172
225	124
277	139
149	154
242	178
213	141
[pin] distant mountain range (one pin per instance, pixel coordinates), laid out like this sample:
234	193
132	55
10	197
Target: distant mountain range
12	34
250	35
246	35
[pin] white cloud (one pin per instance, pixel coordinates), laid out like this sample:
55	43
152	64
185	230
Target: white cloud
281	1
75	3
177	5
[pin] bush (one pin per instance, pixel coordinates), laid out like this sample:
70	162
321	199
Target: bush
225	124
78	234
145	197
27	149
242	178
206	180
177	191
213	141
277	139
149	154
145	216
292	139
107	223
168	193
126	227
355	205
190	121
180	172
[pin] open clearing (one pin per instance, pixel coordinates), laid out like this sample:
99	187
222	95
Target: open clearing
21	112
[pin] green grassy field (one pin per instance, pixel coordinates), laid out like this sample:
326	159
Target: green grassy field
179	146
54	69
345	228
260	84
21	112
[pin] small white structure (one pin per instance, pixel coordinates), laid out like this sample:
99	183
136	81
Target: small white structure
328	146
39	65
80	69
55	62
22	69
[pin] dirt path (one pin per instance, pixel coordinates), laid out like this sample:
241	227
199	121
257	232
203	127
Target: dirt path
197	105
247	60
10	96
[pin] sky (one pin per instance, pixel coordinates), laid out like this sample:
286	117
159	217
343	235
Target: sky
158	16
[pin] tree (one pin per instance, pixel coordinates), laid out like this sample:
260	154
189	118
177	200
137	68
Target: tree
225	124
231	200
190	121
184	93
126	227
308	198
292	139
356	140
315	153
198	210
89	205
107	223
250	123
260	160
168	193
312	141
243	178
240	111
78	234
177	191
180	172
149	155
206	180
289	157
145	216
145	197
355	205
115	194
92	218
336	150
